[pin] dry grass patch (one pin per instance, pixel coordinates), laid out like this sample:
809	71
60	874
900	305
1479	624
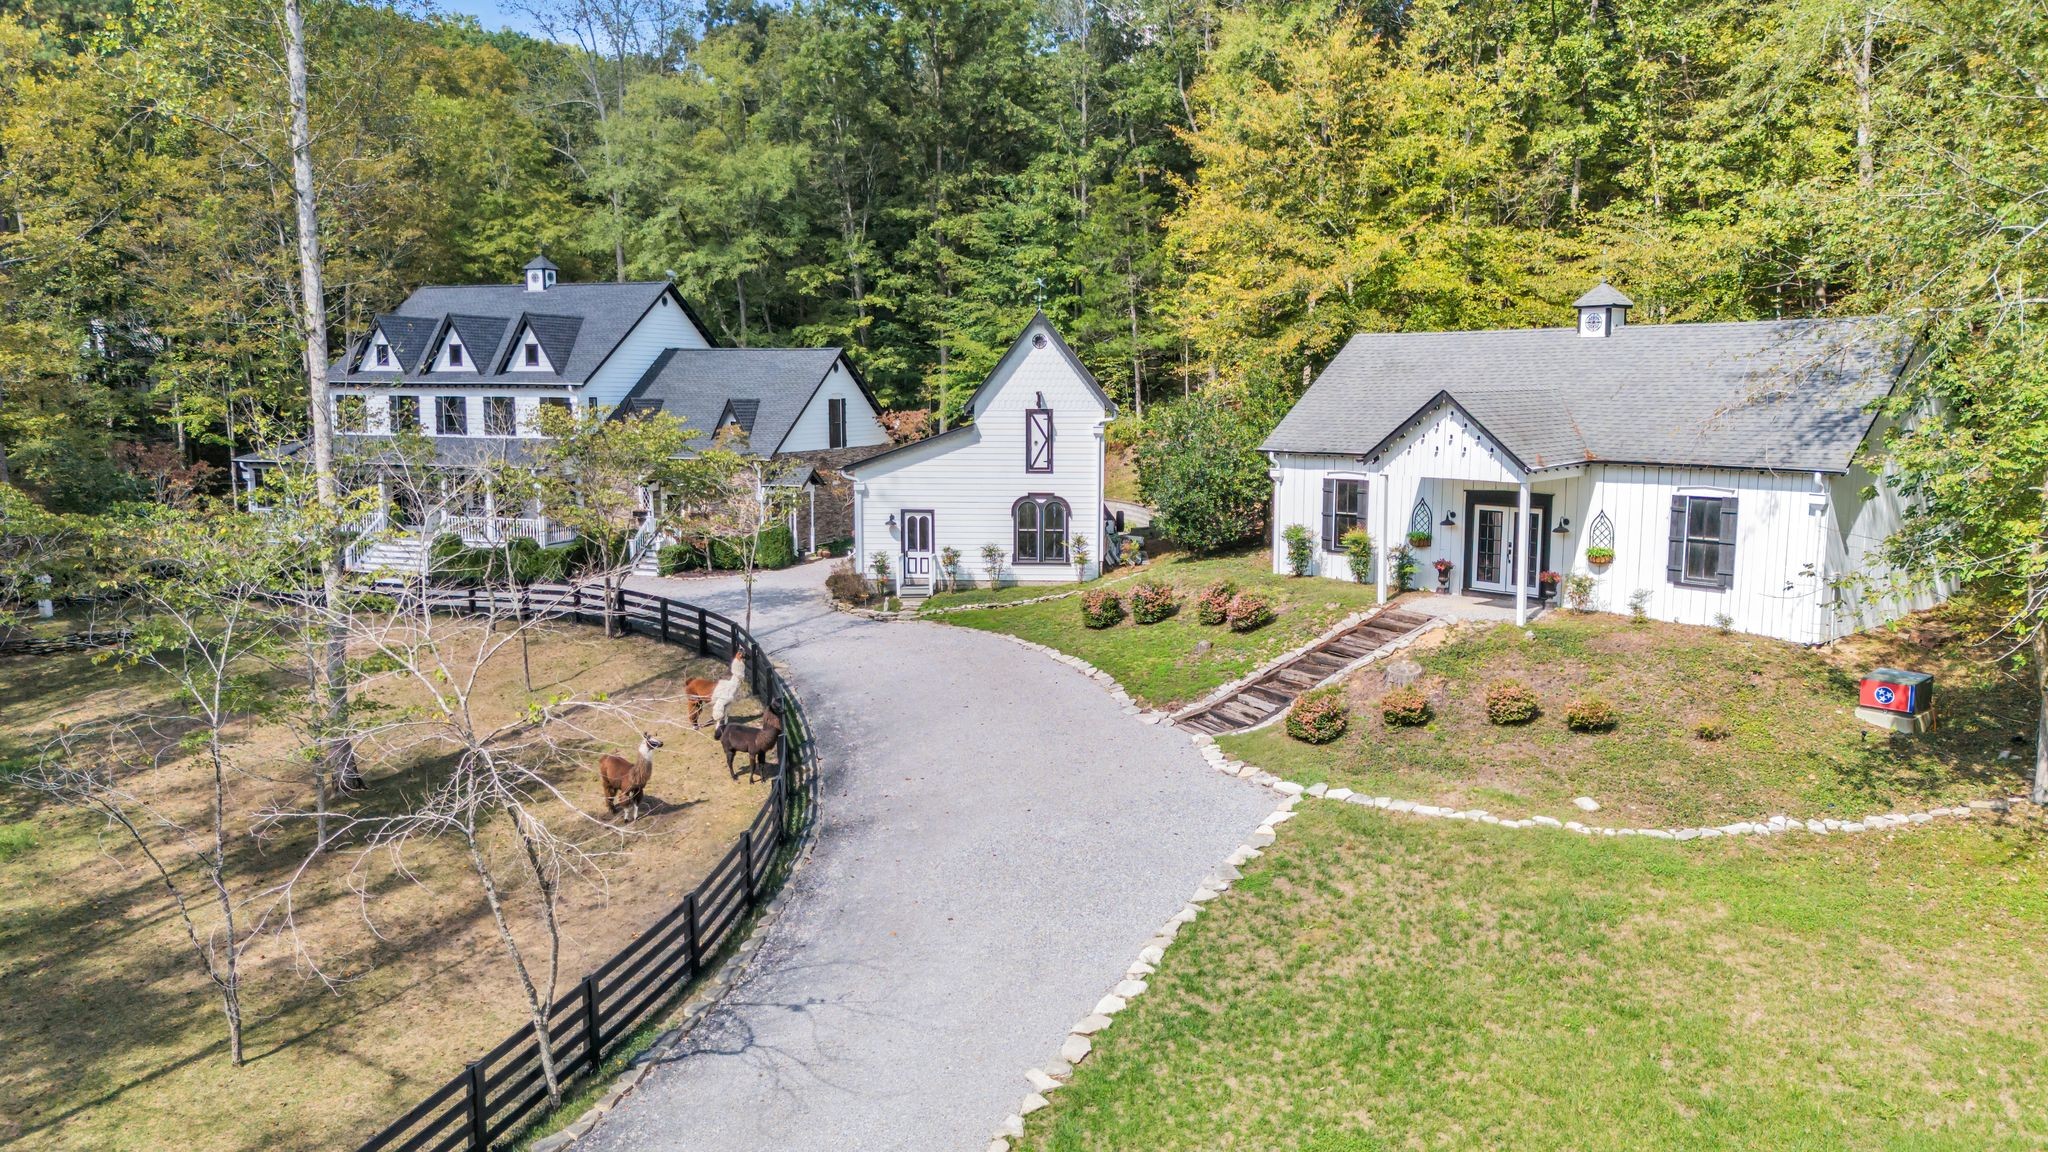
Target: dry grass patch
1381	983
1792	741
113	1038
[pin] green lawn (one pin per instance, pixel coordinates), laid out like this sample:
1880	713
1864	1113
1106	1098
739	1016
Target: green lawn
1377	982
1159	663
1793	744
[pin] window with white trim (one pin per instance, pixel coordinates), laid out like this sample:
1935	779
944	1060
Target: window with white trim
533	354
380	354
454	354
500	416
451	416
1701	552
351	414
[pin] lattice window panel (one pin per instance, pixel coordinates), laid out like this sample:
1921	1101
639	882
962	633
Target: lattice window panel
1422	519
1601	534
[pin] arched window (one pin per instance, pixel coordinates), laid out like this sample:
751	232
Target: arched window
1041	530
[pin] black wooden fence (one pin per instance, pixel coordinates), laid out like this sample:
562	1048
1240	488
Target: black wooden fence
499	1093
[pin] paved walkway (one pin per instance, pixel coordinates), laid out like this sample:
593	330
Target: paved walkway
997	842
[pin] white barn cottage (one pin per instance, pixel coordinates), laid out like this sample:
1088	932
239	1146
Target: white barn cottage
1711	469
1024	476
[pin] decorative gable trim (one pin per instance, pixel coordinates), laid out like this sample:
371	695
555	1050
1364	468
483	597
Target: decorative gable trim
1428	413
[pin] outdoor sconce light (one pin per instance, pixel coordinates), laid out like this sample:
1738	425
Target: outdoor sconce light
890	523
1563	528
1450	519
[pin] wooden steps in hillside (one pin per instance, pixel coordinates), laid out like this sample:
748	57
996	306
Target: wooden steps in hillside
1270	692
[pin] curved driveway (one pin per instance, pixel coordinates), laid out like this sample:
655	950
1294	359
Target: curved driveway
997	842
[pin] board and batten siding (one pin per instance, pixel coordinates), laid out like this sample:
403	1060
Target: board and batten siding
812	431
665	326
1797	533
970	481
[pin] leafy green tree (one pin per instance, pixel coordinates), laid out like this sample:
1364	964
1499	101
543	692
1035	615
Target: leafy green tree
1200	469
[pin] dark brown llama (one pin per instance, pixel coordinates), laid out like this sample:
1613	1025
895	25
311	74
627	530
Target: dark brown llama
756	742
624	780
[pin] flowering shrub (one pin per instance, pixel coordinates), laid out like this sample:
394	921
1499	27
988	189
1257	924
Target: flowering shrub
1249	611
1590	715
1510	702
1101	608
1405	708
1318	717
1213	606
1153	601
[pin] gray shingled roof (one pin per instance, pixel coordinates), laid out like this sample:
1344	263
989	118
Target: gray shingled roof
1781	394
579	326
1603	295
697	384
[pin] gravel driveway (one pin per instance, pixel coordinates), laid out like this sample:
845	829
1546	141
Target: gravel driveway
997	842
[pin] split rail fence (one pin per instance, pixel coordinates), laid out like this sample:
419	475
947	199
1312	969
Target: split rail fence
501	1092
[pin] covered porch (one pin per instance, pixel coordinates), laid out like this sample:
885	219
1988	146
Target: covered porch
1495	539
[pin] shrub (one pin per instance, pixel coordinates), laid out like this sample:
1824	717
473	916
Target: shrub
1590	715
1318	717
1153	601
1249	611
1599	555
1405	708
1200	469
1578	592
1131	552
1300	548
1357	545
1101	608
1724	623
1078	549
949	563
1510	702
1639	606
1402	561
1213	606
879	565
992	563
1710	730
847	584
774	548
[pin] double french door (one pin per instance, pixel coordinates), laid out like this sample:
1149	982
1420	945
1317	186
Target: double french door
1493	562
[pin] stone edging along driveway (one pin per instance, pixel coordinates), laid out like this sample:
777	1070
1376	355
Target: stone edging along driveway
1054	1073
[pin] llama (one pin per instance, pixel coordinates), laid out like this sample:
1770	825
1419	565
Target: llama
624	780
720	693
756	742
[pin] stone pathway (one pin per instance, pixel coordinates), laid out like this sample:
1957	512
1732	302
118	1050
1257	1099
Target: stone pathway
997	840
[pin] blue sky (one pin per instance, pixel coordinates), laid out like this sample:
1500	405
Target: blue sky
492	14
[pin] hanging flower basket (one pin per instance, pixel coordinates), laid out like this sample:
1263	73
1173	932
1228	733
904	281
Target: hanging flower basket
1600	556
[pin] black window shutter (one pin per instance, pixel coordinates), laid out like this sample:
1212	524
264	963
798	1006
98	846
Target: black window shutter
1329	514
1674	556
1726	565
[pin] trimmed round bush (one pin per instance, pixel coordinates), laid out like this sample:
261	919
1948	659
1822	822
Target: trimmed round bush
1213	606
1153	601
1590	715
1249	611
1510	702
1101	608
1405	708
1318	717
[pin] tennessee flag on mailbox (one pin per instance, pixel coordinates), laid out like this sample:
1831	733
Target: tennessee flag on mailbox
1894	690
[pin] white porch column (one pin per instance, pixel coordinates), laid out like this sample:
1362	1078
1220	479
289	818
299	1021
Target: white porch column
1376	515
1519	570
813	549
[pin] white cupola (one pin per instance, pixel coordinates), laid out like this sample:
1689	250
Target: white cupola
540	274
1602	311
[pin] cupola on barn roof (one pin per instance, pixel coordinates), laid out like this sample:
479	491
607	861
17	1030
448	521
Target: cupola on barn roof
1603	295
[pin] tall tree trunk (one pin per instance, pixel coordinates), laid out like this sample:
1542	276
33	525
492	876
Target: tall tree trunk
537	1009
1859	66
2036	603
336	752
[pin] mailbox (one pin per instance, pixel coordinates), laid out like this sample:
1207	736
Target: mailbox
1898	691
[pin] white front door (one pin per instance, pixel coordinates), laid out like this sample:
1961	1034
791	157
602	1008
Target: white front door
917	549
1493	549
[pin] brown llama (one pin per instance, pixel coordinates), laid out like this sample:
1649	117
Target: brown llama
624	780
756	742
719	694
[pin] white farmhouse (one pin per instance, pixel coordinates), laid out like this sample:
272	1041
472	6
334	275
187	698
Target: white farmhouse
1025	476
470	366
1711	470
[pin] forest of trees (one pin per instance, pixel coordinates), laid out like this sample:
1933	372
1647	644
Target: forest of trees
1203	194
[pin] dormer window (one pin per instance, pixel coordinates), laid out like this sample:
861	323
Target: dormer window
380	354
532	354
454	354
